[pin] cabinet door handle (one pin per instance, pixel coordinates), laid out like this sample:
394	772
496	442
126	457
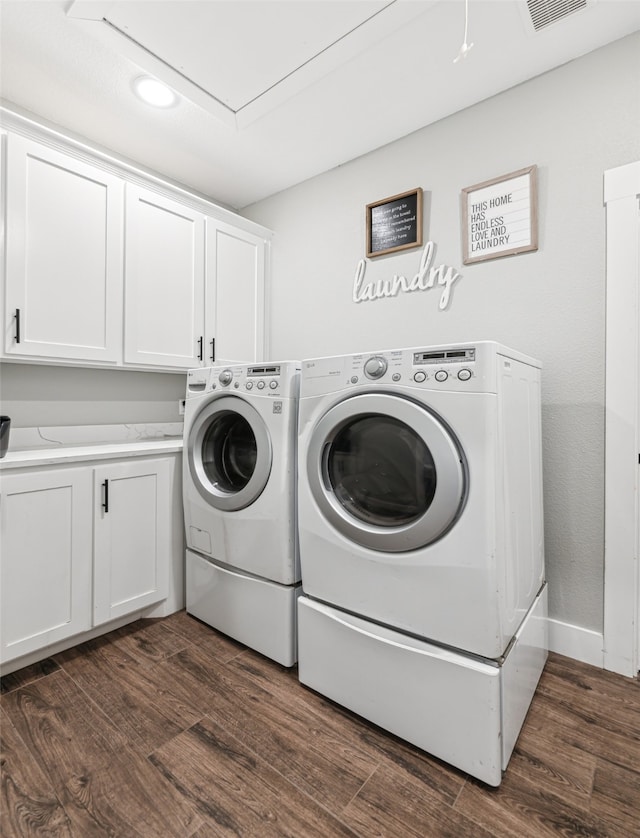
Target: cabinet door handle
17	319
213	349
105	503
201	348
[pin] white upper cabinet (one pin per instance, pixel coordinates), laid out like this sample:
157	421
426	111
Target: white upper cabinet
235	304
109	266
64	226
164	281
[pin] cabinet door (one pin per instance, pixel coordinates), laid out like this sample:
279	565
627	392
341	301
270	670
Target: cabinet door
131	537
45	573
235	299
64	256
164	282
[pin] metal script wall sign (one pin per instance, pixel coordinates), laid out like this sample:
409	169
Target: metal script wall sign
427	277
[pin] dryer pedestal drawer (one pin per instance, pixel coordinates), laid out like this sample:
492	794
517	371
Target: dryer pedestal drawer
446	703
259	613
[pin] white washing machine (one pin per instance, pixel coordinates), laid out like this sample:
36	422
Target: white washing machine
239	489
421	543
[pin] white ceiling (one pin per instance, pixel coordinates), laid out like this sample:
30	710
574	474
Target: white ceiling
275	91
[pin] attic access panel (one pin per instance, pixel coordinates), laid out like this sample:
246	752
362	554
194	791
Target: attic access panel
239	59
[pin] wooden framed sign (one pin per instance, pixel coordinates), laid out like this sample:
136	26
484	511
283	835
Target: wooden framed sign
394	223
500	216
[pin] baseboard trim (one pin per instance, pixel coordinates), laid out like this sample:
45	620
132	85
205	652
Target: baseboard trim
576	642
69	642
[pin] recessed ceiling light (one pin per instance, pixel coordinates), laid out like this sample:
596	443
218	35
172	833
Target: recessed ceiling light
154	92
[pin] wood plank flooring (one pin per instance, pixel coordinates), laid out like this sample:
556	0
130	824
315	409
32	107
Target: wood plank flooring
167	728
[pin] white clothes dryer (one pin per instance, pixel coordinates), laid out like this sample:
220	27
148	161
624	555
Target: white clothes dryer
239	490
420	490
421	544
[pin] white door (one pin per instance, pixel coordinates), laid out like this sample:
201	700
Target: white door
45	573
64	256
236	276
131	537
164	282
622	415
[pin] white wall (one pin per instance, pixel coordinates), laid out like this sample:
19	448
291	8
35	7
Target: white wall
43	395
574	123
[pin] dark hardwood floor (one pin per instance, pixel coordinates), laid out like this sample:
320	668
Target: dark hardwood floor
167	728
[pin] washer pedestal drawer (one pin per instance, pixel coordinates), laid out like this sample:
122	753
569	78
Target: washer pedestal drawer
456	707
257	612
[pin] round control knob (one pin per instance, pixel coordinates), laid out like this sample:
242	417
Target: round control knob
375	367
260	385
225	377
464	374
396	376
420	376
441	375
249	385
273	384
354	379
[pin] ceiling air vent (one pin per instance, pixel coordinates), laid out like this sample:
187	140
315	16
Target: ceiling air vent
545	12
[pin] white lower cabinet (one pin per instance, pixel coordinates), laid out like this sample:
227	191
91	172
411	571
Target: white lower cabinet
131	537
84	546
45	572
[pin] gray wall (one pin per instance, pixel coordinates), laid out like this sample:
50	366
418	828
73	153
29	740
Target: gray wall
574	123
39	395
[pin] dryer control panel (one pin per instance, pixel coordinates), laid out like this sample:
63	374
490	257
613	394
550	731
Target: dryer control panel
463	367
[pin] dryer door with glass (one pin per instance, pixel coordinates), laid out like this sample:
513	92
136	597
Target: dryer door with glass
386	472
229	452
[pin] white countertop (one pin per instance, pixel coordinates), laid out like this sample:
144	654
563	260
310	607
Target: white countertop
29	447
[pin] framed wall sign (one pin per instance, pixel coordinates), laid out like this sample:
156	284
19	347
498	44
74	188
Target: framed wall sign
500	216
394	223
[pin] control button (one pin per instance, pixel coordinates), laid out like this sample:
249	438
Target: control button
354	379
464	374
420	376
273	384
249	385
375	367
236	384
396	376
441	375
261	385
225	377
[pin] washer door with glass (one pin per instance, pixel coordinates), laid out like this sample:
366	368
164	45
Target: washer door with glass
230	453
386	472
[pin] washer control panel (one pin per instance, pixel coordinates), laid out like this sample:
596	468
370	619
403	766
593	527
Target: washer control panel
281	380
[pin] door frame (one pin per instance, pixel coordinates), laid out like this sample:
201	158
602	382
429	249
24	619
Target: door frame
622	420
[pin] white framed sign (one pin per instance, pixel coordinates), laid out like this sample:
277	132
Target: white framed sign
500	216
